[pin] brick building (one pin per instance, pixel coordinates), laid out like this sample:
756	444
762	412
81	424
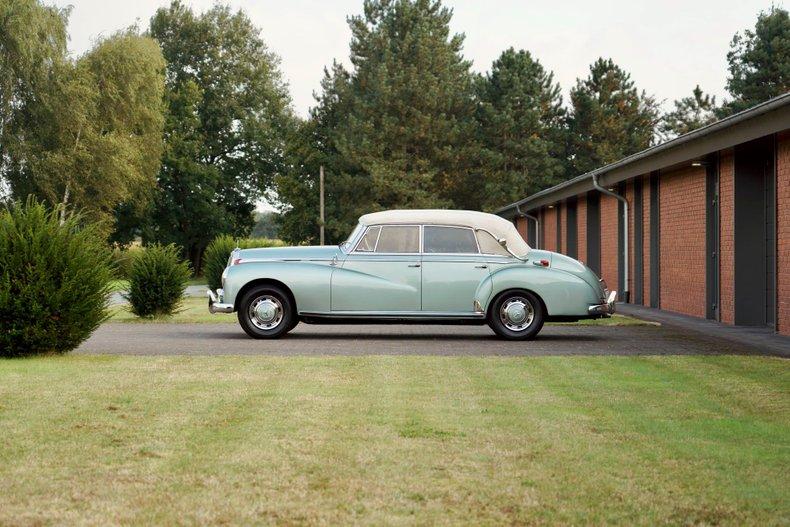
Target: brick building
708	221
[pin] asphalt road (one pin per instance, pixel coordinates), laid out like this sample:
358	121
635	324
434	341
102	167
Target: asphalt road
229	339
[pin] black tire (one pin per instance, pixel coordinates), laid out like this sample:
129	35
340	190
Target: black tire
505	321
276	316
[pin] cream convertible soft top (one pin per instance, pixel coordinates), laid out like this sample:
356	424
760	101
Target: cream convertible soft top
499	227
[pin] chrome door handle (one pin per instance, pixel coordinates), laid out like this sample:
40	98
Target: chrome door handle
414	265
481	267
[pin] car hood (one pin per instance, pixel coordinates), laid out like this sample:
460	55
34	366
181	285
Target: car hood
314	252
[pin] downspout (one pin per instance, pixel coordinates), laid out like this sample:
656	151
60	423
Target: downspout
617	196
533	218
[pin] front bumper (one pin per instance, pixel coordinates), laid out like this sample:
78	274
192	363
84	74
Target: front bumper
605	309
215	304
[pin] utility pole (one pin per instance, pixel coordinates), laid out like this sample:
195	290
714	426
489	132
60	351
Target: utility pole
321	204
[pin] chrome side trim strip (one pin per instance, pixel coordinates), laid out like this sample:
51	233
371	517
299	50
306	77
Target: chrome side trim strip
393	314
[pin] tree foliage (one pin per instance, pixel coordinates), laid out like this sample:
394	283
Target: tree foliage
521	129
759	62
228	116
689	114
90	132
610	118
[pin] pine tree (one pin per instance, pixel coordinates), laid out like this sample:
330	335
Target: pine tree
521	129
759	62
610	118
409	103
689	114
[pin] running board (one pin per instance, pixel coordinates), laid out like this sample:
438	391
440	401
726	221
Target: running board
390	317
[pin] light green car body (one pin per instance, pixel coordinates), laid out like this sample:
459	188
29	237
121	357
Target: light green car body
334	282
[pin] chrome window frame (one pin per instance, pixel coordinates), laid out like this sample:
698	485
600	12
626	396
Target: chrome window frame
421	241
382	225
474	236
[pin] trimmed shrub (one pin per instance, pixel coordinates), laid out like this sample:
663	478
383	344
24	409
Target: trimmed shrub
54	280
215	259
157	281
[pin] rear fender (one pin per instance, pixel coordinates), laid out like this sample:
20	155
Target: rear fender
562	293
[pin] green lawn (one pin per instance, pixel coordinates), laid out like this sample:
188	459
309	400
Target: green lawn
121	285
195	310
393	440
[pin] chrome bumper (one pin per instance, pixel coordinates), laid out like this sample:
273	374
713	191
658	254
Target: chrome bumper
215	304
604	309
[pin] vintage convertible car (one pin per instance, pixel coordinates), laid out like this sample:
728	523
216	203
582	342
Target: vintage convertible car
401	266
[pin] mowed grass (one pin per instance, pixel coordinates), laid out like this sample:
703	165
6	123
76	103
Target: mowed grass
395	440
195	310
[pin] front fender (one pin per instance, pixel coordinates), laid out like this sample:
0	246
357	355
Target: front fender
308	281
564	294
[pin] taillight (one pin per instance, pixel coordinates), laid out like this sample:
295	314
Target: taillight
544	263
236	261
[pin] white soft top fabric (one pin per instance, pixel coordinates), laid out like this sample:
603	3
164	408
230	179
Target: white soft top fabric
496	225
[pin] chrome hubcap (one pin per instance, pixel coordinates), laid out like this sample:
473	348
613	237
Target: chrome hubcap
517	313
266	312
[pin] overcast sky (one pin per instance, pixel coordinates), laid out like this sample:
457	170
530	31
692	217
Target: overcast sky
668	47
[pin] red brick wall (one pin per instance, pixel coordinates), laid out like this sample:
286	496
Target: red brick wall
581	228
646	239
727	236
783	233
521	227
609	241
682	258
549	229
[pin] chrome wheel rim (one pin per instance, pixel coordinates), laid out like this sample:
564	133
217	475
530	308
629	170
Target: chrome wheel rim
517	313
266	312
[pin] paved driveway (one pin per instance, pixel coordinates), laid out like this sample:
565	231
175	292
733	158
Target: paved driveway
218	339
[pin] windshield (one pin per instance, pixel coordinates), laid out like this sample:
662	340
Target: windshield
346	245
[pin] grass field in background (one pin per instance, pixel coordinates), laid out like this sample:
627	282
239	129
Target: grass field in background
195	310
122	285
390	440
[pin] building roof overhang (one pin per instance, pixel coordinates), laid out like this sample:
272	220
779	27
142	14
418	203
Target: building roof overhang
764	119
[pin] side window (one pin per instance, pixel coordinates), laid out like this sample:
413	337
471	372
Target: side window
488	245
399	239
449	240
368	242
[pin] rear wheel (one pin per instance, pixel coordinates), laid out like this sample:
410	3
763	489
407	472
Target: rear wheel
266	312
516	315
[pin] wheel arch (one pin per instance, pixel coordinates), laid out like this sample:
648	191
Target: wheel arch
265	281
502	293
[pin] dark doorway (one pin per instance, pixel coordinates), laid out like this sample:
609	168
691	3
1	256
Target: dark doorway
712	237
532	232
621	285
572	228
594	231
639	275
755	233
655	242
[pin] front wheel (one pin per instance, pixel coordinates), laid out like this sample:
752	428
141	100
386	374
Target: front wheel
266	312
516	315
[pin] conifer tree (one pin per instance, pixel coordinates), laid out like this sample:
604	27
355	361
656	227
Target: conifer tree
522	129
610	118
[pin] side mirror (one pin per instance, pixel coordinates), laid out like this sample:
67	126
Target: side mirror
503	242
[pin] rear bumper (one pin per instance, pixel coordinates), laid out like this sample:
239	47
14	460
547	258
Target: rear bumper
606	308
215	304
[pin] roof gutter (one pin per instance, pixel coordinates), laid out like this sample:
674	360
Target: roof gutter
624	201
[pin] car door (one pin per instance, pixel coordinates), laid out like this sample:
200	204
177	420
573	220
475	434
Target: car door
452	268
382	274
